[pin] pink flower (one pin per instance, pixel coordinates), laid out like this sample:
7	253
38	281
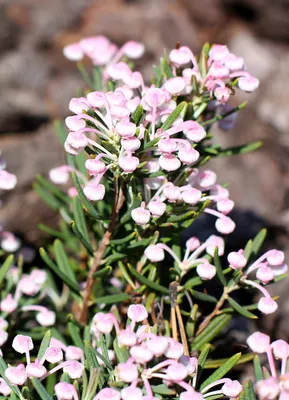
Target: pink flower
107	394
248	83
175	85
141	355
157	208
3	337
16	375
35	369
4	388
74	369
127	338
174	350
265	274
267	305
180	56
137	312
225	225
176	372
140	215
128	163
22	344
193	243
131	393
65	391
267	389
169	162
73	353
232	389
127	372
258	342
104	323
53	355
133	49
95	166
218	52
154	253
214	241
172	192
237	260
94	191
205	270
7	181
73	52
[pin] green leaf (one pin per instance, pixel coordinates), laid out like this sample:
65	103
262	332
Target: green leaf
248	393
62	260
104	352
125	275
125	239
103	272
182	217
122	353
220	117
163	390
211	331
202	358
148	282
75	336
166	67
40	389
216	363
5	267
243	149
53	189
241	310
82	239
52	232
84	201
219	268
45	343
86	77
248	249
222	371
203	59
61	130
112	298
258	368
97	78
72	285
51	201
114	257
174	115
90	356
79	218
258	241
203	296
137	114
196	281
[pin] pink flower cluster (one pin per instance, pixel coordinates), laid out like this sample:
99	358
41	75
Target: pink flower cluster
275	386
152	357
54	355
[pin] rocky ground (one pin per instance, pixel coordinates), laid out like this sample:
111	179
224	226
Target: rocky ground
37	83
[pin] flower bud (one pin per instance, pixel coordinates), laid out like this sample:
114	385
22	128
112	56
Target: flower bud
193	243
157	345
95	166
258	342
104	323
127	371
133	49
154	253
232	389
267	305
137	312
157	208
169	162
130	144
75	143
188	156
140	215
78	105
127	338
218	52
206	179
177	372
35	369
74	369
275	257
205	270
141	354
280	349
53	355
194	131
128	163
218	70
265	274
172	192
225	225
65	391
175	85
174	350
16	375
191	196
118	71
22	344
93	191
167	145
180	56
248	83
75	123
7	181
125	128
133	80
233	62
73	353
225	205
237	260
96	99
73	52
46	318
214	241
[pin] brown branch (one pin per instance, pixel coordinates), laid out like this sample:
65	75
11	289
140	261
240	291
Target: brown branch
98	255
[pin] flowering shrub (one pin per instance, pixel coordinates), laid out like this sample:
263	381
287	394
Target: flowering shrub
131	307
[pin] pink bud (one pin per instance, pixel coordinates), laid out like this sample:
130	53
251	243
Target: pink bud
280	349
172	192
16	375
167	145
104	323
232	389
193	243
75	143
219	52
73	52
205	270
140	215
95	166
194	131
127	338
75	123
7	181
74	369
3	337
268	389
169	162
93	191
3	324
214	241
191	196
225	225
131	393
248	83
35	369
127	372
180	56
174	350
125	128
157	345
218	70
78	105
65	391
154	97
225	205
219	191
28	286
118	71
53	355
258	342
267	305
73	353
265	274
233	62
107	394
237	260
39	276
133	49
46	318
4	388
188	156
206	179
154	253
133	80
96	99
157	208
275	257
119	112
177	372
137	312
175	85
140	354
222	94
10	242
128	163
191	395
22	344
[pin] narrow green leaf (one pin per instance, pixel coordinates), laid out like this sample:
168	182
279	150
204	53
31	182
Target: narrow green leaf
241	310
104	352
163	390
62	260
112	298
75	336
53	189
5	267
114	257
248	249
243	149
203	59
174	115
125	274
220	117
248	393
86	77
258	241
46	197
85	202
40	389
182	217
211	331
258	368
147	282
85	243
196	281
103	272
202	358
97	78
121	352
45	343
216	363
72	285
125	239
79	218
60	130
90	356
52	232
203	296
219	268
137	114
222	371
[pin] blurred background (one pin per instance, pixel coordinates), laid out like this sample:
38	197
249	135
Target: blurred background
37	83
